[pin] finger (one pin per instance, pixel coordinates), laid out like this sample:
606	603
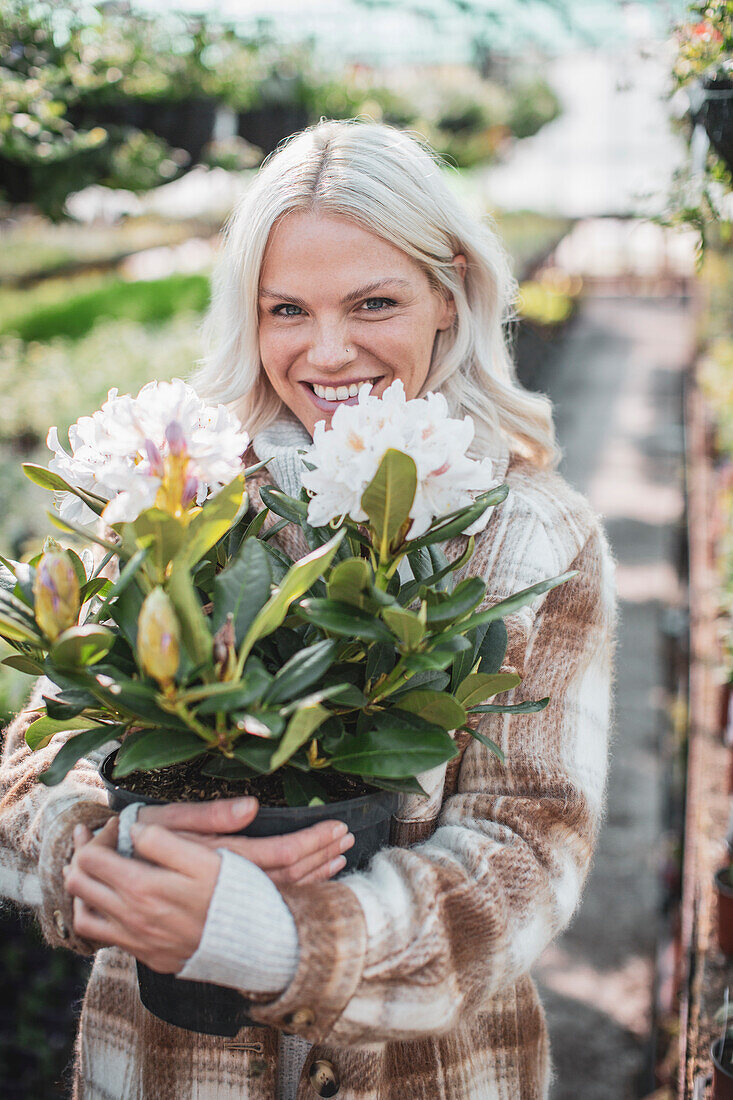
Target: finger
325	871
224	815
93	926
93	893
296	872
169	850
81	835
290	848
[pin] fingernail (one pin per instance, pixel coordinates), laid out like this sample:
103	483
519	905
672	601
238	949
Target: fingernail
78	833
346	843
136	829
336	865
339	829
243	805
65	870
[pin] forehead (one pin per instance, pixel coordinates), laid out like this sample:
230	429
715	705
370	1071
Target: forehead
305	241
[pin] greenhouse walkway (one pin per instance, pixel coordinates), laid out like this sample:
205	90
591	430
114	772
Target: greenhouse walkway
616	379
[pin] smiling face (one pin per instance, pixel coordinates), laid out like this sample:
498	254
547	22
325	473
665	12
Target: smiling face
339	307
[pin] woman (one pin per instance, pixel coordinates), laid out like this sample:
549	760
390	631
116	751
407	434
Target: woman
350	262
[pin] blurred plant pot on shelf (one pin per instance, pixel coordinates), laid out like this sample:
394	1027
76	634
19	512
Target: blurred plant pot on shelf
265	126
724	891
722	1068
218	1010
186	124
716	115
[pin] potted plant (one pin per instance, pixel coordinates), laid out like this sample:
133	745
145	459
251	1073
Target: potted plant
723	884
721	1053
326	686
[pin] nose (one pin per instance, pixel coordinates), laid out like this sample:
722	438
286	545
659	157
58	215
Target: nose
330	348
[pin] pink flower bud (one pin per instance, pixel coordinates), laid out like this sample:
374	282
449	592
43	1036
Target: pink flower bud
154	458
158	637
175	437
55	594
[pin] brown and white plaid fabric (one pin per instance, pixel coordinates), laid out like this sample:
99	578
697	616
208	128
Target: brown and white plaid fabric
413	979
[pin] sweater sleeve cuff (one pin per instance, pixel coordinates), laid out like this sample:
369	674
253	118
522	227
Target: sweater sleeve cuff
249	939
332	934
56	910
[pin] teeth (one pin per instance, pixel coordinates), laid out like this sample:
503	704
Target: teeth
340	393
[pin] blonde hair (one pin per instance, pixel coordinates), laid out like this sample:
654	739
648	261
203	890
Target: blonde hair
391	183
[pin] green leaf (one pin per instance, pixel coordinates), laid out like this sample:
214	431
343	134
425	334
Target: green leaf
255	752
406	625
487	742
224	768
157	749
75	748
40	732
510	604
80	646
480	686
388	497
351	582
195	633
394	753
344	619
69	704
16	630
243	588
237	695
294	584
533	706
283	505
301	728
21	663
39	475
124	609
449	528
300	788
301	671
87	533
77	565
467	595
217	516
427	579
492	650
436	707
94	587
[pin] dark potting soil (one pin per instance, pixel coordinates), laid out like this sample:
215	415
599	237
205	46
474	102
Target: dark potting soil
185	783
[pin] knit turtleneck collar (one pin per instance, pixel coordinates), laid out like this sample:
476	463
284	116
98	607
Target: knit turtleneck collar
282	441
280	444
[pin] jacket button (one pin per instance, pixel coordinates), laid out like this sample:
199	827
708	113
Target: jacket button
323	1078
60	924
302	1017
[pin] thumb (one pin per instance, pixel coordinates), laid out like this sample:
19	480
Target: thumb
222	815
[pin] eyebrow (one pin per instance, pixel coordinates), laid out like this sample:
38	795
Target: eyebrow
360	292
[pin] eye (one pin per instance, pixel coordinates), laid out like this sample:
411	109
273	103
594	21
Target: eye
388	301
285	305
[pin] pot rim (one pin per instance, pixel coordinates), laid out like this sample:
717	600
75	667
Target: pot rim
329	808
718	1065
723	887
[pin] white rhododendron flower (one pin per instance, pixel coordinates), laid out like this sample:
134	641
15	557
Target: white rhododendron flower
346	457
163	447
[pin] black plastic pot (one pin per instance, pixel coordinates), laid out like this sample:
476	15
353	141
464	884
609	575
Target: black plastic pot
215	1009
267	125
722	1074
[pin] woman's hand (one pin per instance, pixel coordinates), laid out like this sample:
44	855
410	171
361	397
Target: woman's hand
156	910
308	855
